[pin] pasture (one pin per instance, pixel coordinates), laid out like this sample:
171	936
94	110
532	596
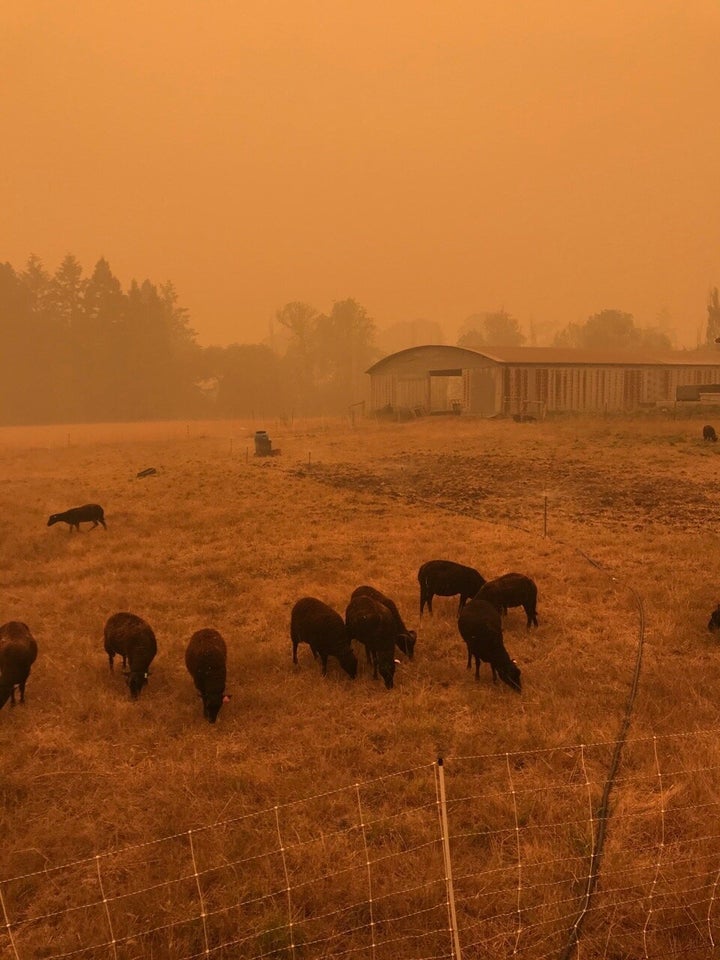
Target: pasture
313	799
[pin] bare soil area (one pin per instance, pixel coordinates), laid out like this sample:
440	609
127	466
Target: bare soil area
630	492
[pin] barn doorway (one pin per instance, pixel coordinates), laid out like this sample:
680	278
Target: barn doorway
447	391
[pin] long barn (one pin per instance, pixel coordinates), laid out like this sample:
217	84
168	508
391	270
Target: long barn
535	380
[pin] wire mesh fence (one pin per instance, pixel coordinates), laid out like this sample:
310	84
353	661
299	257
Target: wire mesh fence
490	855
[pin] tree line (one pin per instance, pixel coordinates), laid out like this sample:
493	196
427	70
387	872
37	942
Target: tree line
80	348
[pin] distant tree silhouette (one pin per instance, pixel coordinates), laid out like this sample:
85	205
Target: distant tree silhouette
409	333
251	382
344	347
491	329
611	329
77	348
299	320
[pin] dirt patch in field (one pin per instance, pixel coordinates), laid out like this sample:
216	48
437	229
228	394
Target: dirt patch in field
512	490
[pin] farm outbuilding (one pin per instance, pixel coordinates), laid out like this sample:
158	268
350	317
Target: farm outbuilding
535	380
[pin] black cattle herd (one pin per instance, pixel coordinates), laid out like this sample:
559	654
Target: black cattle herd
371	618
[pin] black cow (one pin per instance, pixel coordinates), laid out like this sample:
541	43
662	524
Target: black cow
446	579
317	624
131	638
89	513
206	660
405	639
18	652
512	590
480	627
372	623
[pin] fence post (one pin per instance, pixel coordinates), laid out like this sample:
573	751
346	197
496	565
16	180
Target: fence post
452	916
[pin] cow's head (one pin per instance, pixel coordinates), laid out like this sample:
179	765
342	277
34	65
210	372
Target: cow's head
348	661
510	674
406	642
136	680
386	669
212	704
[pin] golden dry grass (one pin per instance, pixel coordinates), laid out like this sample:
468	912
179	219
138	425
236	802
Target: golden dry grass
220	538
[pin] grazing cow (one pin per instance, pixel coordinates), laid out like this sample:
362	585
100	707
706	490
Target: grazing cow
480	627
372	623
405	638
18	652
206	660
315	623
447	578
714	622
512	590
709	433
90	513
128	636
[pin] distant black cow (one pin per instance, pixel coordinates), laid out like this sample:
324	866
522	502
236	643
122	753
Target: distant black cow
446	579
709	433
512	590
90	513
317	624
480	628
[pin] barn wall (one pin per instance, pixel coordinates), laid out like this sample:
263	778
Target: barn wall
382	392
483	394
522	388
412	393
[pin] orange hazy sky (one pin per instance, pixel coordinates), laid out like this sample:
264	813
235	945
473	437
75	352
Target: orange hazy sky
429	159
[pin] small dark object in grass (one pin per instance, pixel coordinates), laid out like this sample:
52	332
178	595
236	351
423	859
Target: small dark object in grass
148	472
709	433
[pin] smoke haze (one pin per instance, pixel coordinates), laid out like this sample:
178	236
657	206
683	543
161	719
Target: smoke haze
429	160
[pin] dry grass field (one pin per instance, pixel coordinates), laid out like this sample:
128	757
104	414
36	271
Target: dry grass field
305	822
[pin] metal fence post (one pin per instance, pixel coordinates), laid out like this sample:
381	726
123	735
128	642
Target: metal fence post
452	916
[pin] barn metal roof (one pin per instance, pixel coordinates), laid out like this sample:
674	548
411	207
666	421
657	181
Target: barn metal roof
434	356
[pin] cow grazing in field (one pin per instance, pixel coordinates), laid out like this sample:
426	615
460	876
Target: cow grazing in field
373	624
480	627
89	513
206	660
405	639
131	638
512	590
709	433
714	622
18	652
446	579
317	624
